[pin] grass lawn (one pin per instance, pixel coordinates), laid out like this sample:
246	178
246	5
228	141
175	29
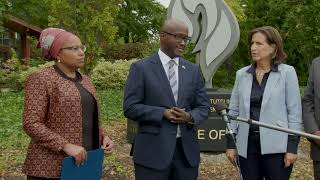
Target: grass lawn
13	140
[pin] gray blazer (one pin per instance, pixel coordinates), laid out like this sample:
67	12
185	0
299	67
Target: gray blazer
281	106
311	105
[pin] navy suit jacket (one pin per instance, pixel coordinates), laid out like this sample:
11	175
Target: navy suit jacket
147	95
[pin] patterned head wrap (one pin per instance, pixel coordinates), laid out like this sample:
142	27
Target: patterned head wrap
51	41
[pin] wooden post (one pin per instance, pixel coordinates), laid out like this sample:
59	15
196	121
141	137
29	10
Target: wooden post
25	48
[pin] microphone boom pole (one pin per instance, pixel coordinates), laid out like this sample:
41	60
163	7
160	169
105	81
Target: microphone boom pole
250	121
221	108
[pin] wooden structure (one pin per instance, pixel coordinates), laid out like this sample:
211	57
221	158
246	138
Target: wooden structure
15	25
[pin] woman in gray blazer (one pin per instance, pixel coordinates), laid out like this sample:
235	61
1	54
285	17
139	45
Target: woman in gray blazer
265	91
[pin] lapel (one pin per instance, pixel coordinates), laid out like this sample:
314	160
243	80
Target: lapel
247	86
159	71
271	83
182	71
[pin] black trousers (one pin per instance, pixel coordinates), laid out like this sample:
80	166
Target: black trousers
179	169
316	170
258	167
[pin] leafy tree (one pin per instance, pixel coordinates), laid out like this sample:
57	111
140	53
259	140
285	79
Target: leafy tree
302	35
91	20
4	7
236	8
298	23
32	11
138	21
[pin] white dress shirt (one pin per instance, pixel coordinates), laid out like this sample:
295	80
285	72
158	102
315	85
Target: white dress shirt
165	63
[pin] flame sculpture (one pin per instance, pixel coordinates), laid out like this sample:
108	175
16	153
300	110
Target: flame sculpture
213	28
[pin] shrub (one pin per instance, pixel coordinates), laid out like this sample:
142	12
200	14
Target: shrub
15	77
26	73
108	75
126	51
34	62
152	47
105	75
9	80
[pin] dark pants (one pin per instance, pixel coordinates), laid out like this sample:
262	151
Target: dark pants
40	178
316	170
179	169
258	167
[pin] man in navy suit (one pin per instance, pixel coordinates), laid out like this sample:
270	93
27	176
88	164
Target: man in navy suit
165	94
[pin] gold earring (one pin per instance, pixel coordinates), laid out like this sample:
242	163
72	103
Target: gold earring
59	61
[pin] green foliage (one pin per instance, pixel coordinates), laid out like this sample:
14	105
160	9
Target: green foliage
10	72
34	12
96	22
138	21
11	111
13	74
13	64
10	80
34	62
235	7
302	35
188	55
298	23
111	75
91	20
13	141
225	76
24	74
106	75
5	5
111	104
125	51
153	47
101	24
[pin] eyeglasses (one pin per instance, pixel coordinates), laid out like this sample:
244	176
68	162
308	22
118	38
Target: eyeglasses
179	38
75	48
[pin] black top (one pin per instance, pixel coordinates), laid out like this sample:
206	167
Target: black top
256	97
90	131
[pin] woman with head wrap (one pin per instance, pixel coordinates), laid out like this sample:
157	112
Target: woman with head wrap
61	110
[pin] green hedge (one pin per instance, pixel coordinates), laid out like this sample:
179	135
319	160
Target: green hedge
111	75
125	51
105	75
130	50
15	79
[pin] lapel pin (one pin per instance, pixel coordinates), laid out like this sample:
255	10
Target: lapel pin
183	67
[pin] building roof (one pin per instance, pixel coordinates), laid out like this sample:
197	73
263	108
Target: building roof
21	26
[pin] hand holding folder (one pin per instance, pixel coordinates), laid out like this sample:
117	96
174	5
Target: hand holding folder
90	170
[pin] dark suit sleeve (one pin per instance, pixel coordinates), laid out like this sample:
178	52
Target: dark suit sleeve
293	142
308	110
230	141
201	106
133	105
